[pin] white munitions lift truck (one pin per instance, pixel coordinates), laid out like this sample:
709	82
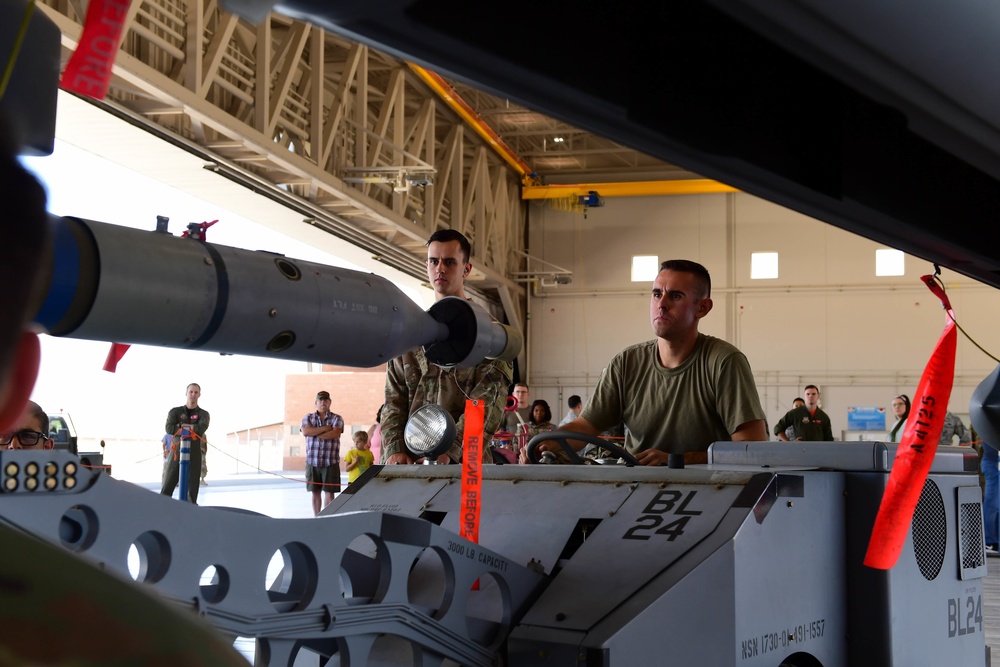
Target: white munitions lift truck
754	560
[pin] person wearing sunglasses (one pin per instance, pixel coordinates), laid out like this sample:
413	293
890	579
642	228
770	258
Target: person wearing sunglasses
31	433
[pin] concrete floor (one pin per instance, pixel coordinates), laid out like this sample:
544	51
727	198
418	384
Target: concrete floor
278	495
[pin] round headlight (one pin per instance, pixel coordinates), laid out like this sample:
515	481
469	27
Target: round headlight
429	432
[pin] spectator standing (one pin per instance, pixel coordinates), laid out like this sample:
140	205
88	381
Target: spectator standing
358	459
797	402
322	430
522	415
989	460
807	422
375	435
204	462
985	417
168	443
411	382
540	418
575	404
189	413
953	426
901	409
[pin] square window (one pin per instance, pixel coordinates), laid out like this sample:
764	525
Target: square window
645	268
763	265
889	263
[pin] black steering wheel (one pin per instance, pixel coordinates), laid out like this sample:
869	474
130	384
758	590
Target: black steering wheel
562	437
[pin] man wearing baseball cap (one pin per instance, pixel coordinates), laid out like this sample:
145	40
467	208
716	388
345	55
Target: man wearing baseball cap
322	431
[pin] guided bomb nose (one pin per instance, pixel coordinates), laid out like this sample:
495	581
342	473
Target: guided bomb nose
984	408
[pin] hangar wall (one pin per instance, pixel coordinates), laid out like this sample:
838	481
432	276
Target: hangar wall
826	320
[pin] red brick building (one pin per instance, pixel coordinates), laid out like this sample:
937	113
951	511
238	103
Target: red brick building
356	395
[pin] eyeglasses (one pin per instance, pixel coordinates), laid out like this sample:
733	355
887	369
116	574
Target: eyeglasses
27	437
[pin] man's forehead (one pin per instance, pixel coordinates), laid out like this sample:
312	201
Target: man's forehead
443	249
30	423
681	281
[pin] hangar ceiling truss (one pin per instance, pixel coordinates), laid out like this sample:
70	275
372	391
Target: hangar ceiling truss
349	134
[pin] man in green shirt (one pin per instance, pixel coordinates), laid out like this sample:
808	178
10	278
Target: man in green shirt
808	422
681	391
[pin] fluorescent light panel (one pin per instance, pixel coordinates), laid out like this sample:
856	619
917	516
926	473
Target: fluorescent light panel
645	268
889	262
763	265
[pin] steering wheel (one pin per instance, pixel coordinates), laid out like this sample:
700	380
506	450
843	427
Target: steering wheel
562	437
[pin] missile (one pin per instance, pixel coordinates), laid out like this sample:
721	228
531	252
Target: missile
113	283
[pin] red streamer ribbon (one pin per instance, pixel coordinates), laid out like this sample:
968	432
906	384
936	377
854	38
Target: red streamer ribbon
88	72
115	355
472	470
916	448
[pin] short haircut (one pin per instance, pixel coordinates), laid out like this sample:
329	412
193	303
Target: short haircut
520	384
694	268
546	416
575	402
360	436
448	235
798	399
25	245
811	386
35	410
193	384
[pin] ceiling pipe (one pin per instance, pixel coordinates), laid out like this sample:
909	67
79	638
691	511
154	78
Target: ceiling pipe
696	186
531	187
462	108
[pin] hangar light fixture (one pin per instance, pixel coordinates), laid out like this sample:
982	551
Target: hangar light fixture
763	265
889	262
645	268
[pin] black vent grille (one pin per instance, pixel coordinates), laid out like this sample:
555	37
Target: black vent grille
930	531
970	523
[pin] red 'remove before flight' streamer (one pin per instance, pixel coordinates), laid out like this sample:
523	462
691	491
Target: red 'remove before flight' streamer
472	470
916	448
88	72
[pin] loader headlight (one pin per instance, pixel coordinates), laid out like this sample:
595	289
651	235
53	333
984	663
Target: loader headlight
429	432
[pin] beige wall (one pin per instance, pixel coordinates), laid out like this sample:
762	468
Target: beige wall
827	320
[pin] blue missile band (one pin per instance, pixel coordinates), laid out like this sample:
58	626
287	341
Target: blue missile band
221	303
65	277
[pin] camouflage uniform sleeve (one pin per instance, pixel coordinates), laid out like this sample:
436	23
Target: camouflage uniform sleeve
964	438
396	409
492	379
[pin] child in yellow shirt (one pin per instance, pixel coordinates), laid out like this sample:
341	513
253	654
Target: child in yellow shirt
360	458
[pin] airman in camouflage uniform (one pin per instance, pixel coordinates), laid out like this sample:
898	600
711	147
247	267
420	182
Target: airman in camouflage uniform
411	382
